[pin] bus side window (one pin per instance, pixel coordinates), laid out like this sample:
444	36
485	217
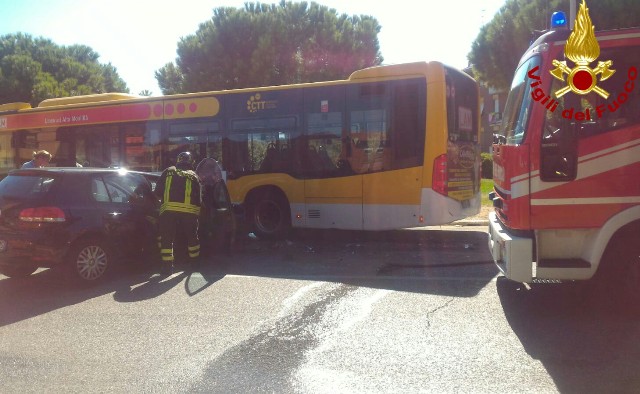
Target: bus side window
269	163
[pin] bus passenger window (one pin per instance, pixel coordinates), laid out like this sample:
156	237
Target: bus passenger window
325	143
404	146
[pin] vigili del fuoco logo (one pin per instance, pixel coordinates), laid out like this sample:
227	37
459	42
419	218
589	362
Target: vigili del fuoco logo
582	48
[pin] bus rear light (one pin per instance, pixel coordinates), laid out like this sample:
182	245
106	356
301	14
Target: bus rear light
42	215
421	219
439	183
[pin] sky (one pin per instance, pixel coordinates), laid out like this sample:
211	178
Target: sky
139	37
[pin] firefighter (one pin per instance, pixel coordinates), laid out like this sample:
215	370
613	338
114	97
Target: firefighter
179	192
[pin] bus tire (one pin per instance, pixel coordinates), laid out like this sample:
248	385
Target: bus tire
269	215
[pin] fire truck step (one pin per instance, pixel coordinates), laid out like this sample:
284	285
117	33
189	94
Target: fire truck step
563	263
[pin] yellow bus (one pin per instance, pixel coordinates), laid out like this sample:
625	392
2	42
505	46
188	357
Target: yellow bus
390	147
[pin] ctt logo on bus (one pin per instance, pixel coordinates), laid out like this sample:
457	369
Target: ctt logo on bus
582	48
3	123
256	103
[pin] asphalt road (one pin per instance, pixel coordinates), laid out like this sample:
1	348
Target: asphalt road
323	312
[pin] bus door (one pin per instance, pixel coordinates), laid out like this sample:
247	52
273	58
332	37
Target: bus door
333	188
200	137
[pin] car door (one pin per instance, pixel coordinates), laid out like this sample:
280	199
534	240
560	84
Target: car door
129	212
223	217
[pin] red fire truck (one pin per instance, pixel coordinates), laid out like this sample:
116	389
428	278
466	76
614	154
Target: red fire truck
567	161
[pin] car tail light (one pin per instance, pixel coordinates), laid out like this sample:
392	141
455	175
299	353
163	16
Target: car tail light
42	215
439	179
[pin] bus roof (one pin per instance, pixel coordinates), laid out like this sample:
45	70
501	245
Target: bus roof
376	72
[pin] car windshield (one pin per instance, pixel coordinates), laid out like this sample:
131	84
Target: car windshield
25	187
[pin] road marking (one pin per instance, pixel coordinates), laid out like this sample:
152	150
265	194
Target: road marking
340	278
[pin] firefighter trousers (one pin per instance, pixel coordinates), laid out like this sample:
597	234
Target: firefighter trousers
171	224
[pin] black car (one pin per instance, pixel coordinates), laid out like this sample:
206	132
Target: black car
80	219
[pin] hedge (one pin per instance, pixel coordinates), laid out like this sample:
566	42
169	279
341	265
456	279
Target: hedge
487	165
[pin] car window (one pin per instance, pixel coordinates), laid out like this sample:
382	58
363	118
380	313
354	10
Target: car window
99	190
106	190
152	179
119	188
117	193
25	187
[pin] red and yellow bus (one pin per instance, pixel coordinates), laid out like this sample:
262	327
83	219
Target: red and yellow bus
391	147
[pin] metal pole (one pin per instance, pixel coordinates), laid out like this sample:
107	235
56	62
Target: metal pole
572	13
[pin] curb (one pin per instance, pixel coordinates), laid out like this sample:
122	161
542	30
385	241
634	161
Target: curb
467	222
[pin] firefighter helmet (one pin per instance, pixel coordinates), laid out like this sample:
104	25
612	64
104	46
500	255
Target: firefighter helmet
185	157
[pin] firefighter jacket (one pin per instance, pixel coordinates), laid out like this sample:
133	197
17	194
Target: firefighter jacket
179	191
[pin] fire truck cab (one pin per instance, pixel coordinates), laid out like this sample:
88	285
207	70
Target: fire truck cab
567	162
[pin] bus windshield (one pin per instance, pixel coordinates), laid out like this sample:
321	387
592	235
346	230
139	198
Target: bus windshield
518	106
462	107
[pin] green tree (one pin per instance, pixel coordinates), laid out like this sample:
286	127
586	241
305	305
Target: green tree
170	79
35	69
276	44
497	49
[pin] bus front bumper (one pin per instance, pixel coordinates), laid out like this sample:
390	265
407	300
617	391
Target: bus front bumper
512	254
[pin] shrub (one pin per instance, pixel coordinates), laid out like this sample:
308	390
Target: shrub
487	165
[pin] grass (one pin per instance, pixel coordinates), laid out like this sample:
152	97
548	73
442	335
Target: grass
486	186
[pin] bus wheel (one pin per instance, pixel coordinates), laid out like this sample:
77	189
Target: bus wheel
269	216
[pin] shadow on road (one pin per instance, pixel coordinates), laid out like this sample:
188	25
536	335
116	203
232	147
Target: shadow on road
48	290
452	263
588	344
403	260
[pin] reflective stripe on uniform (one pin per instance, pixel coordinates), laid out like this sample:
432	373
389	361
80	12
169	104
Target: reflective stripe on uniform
187	192
167	188
180	207
167	254
194	251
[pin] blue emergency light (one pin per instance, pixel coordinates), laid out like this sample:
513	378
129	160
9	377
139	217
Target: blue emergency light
558	20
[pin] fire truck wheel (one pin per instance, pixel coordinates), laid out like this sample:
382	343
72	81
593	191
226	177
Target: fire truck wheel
621	269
